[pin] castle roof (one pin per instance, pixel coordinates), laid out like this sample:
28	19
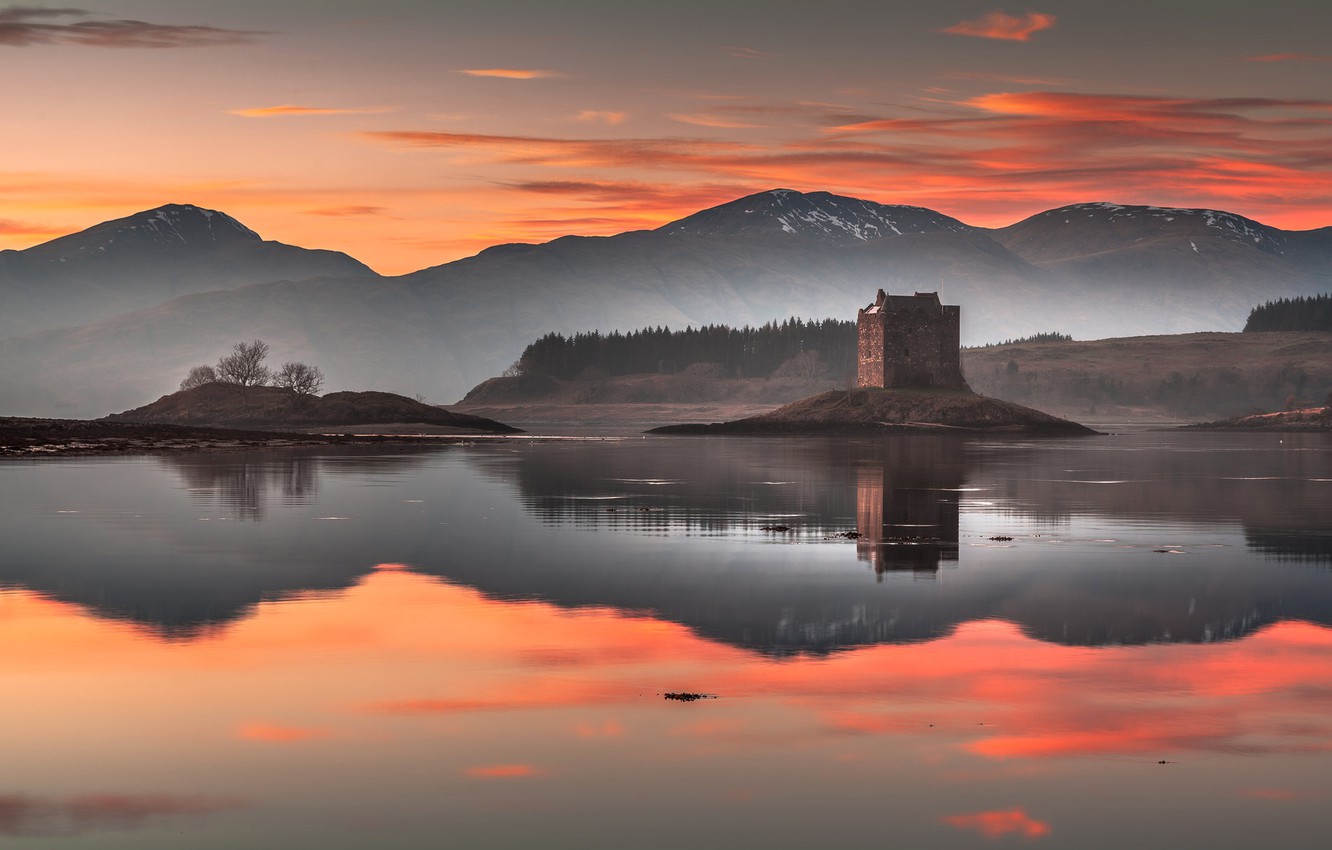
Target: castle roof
885	303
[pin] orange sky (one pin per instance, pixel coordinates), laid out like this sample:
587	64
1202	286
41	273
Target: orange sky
411	134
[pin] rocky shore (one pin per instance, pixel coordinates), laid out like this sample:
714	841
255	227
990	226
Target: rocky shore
27	437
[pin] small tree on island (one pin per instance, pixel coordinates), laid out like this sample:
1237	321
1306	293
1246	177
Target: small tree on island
245	366
199	376
304	379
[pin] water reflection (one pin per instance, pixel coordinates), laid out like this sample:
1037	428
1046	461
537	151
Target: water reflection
428	709
244	482
907	506
1117	541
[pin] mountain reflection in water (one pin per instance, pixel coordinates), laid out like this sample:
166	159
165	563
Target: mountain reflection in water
1114	540
935	642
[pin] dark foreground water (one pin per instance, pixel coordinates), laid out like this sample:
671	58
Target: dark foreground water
1118	641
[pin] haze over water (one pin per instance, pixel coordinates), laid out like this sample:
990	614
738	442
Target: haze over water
1122	640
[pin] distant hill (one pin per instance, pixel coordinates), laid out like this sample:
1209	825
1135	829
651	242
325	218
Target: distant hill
1184	376
1188	376
1092	270
145	259
227	405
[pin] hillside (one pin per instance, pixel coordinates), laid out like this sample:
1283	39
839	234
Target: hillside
230	406
1106	272
1186	376
145	259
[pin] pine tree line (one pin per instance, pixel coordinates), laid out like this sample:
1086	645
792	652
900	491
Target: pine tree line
1047	336
1312	313
746	352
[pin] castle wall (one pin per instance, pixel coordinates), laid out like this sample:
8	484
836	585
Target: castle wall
910	341
869	330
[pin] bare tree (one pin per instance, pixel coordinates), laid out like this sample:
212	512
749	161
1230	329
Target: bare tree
245	366
199	376
304	379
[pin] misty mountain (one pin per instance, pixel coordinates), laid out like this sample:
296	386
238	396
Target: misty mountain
145	259
1092	270
1204	269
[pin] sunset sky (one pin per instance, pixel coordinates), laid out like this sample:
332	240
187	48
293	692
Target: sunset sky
413	133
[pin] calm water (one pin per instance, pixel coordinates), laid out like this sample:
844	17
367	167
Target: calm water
1108	642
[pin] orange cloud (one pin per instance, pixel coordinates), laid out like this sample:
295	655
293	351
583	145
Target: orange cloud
601	116
1000	25
504	771
989	159
347	210
289	109
10	227
704	119
511	73
25	26
997	824
569	153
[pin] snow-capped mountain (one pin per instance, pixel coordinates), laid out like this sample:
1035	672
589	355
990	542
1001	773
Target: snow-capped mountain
818	215
1090	270
173	227
1082	230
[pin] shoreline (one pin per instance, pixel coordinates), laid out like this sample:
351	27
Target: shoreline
22	437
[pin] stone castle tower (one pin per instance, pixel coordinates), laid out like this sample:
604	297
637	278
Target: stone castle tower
910	341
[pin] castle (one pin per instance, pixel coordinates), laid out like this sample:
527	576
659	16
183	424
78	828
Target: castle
910	341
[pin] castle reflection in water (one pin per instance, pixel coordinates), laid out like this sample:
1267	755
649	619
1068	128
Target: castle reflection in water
907	510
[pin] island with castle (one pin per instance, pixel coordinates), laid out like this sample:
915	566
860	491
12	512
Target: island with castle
908	378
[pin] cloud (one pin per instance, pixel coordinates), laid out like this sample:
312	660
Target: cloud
635	195
511	73
997	824
349	210
751	53
10	227
990	159
533	150
602	116
25	26
986	76
22	816
289	109
706	119
1003	26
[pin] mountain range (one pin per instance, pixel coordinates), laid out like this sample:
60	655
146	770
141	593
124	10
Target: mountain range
113	316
